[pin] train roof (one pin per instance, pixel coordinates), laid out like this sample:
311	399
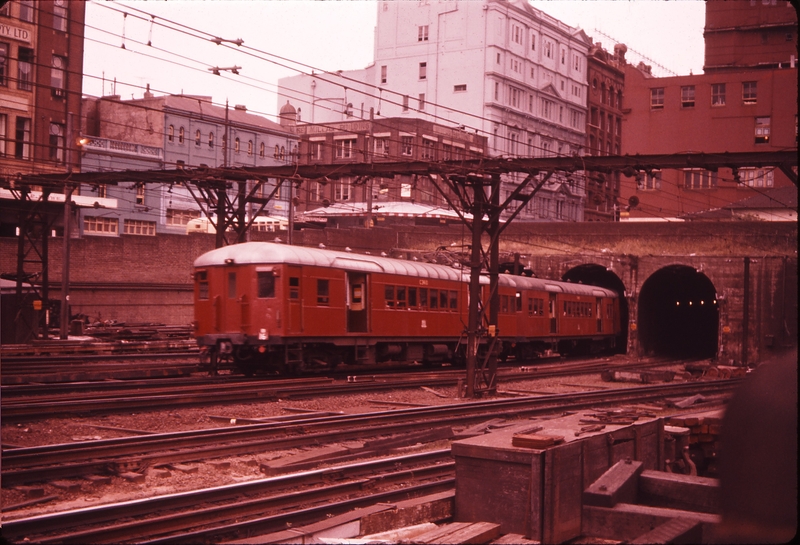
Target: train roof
268	253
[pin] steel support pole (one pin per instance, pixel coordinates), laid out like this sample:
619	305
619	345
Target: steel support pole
474	290
64	318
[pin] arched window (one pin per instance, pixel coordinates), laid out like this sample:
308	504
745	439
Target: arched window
197	138
211	140
249	147
236	145
277	151
171	133
262	150
180	135
283	153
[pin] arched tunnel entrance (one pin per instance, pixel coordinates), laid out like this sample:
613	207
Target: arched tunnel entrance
678	314
597	275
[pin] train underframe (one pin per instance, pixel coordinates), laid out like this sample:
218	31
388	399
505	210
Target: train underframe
287	356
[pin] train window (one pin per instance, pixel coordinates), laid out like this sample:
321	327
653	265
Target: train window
401	297
519	302
389	294
565	308
232	285
423	297
453	300
443	299
412	297
434	300
322	292
530	306
294	287
202	284
266	284
504	304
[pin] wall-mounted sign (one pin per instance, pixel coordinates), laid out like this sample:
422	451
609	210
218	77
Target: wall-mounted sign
16	33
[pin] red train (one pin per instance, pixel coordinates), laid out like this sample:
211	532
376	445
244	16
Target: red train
271	307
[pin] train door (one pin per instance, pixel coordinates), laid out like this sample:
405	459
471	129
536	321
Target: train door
357	303
599	310
229	304
553	314
295	301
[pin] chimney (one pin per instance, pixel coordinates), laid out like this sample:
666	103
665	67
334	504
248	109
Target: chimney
147	93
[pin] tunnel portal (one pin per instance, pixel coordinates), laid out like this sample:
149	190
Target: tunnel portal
678	315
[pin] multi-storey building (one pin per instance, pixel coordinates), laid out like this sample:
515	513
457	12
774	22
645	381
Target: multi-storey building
499	67
378	140
604	128
41	71
166	132
750	106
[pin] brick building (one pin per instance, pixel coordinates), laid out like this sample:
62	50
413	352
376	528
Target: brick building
742	103
377	140
41	71
606	73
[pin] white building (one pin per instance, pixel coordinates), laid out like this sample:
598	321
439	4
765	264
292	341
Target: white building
499	67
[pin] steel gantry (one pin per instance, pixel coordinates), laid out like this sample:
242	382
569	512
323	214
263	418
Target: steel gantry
472	188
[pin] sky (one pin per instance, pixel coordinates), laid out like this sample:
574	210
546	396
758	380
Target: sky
124	54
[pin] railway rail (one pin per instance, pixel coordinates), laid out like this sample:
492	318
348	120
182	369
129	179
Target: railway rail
242	509
36	401
33	464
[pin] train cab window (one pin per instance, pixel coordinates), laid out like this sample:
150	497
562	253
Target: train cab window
423	298
401	297
231	285
294	287
202	284
530	307
412	297
443	299
389	296
434	300
609	310
266	284
504	304
519	302
453	300
323	295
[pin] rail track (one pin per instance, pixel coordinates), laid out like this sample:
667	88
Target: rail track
50	462
250	508
37	401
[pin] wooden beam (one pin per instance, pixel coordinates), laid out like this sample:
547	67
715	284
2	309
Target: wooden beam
625	521
677	530
618	484
679	491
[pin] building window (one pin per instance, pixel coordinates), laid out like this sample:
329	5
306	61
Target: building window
100	226
57	76
211	140
421	101
139	193
3	64
516	34
422	33
315	151
423	70
384	73
460	88
657	98
57	142
139	227
718	94
405	103
60	15
381	148
171	133
563	56
26	10
699	179
497	91
576	63
762	130
757	177
262	150
428	150
406	147
236	145
249	147
341	190
651	181
22	138
181	217
749	92
687	96
24	68
548	49
345	149
533	42
3	134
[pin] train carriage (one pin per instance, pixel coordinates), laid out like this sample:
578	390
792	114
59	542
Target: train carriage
273	308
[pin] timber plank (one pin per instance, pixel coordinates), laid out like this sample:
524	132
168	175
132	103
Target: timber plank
514	539
626	521
475	533
677	530
618	484
680	491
